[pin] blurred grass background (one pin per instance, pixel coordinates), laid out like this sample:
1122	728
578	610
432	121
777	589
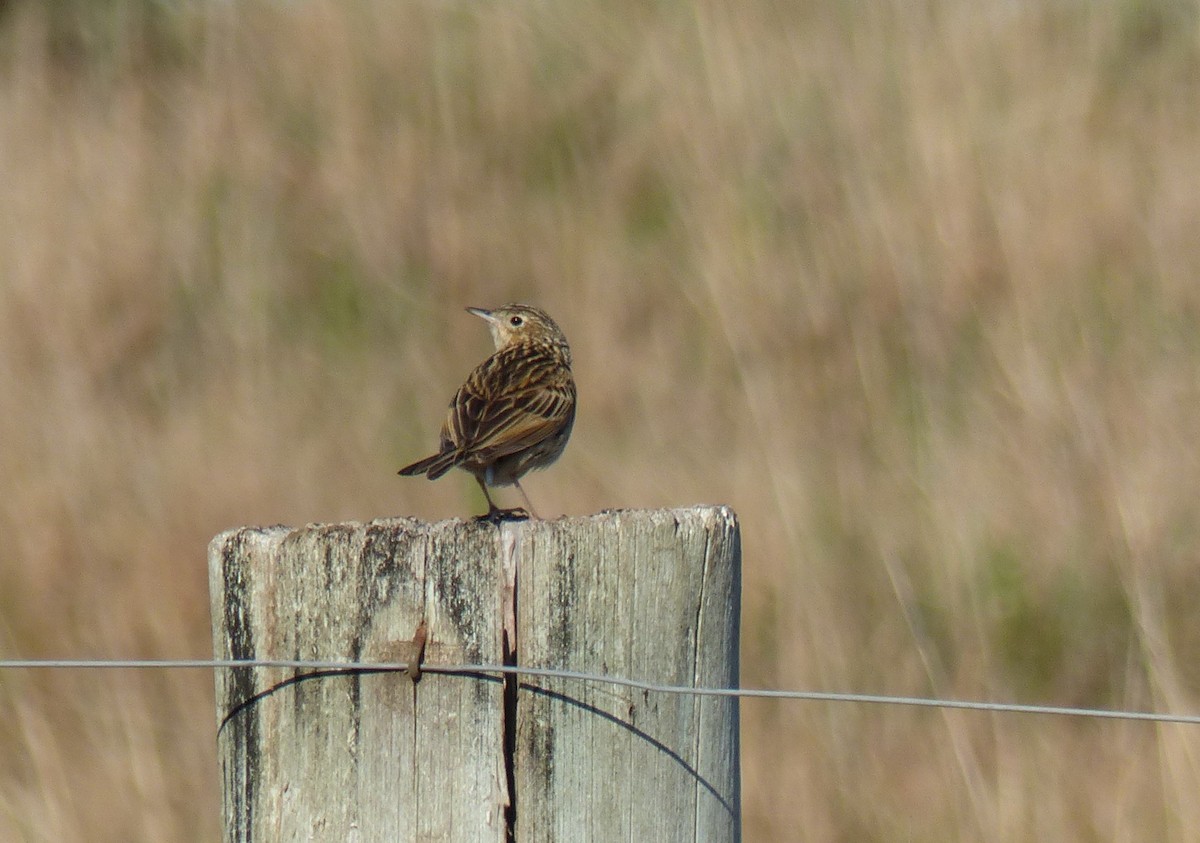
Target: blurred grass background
912	286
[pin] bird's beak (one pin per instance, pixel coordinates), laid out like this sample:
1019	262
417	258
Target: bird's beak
486	315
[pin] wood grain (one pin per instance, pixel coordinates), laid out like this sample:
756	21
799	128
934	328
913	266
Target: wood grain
650	595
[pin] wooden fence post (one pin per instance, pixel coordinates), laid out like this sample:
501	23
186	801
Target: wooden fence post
647	595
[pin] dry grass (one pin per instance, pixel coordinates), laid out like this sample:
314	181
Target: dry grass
913	289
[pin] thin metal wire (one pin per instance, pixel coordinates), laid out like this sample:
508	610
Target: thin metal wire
578	676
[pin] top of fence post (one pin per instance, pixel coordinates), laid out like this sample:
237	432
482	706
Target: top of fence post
652	595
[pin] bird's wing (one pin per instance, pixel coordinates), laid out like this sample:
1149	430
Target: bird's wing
516	398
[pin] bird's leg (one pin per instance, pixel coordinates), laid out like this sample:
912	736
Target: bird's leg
528	504
492	508
495	513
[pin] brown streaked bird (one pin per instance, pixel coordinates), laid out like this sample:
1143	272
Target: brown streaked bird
515	411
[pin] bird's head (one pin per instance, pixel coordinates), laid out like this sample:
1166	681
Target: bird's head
515	323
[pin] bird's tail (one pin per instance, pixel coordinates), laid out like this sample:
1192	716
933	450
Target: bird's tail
432	467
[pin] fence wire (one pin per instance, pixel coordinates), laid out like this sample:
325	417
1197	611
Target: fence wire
593	678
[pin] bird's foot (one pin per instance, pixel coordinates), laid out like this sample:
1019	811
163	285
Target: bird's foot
495	515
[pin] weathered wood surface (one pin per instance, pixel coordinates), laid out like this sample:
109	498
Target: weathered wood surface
653	596
650	595
359	757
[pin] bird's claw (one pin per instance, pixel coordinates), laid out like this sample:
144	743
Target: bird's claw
497	515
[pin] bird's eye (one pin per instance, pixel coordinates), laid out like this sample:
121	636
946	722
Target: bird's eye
516	321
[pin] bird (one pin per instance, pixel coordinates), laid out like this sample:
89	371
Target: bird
514	412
